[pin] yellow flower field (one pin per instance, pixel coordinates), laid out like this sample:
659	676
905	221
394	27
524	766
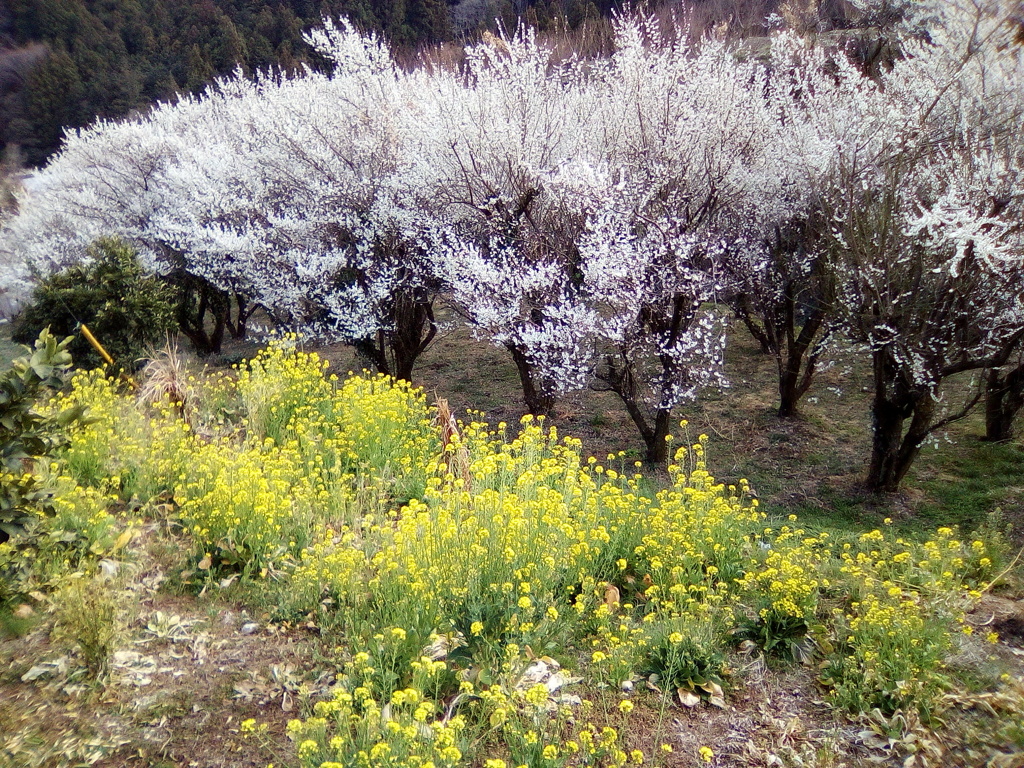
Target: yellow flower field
497	599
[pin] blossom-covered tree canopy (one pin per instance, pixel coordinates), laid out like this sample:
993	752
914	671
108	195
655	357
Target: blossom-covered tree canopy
596	215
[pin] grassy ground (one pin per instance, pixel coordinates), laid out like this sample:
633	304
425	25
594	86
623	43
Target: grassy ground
8	349
191	665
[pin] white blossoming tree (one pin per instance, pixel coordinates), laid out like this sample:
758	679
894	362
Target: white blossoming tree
780	280
591	215
112	179
508	149
284	192
687	141
926	234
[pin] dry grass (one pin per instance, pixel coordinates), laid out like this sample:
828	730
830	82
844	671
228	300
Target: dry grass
166	378
173	699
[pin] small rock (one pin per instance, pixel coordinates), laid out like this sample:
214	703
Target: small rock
23	611
627	686
250	628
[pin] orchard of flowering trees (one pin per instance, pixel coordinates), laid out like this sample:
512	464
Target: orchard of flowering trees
602	218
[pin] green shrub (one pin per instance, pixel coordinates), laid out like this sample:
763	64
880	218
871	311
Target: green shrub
123	307
26	434
79	532
688	659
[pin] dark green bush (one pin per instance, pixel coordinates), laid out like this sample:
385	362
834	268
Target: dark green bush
126	309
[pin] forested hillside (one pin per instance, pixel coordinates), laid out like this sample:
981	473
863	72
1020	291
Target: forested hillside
65	62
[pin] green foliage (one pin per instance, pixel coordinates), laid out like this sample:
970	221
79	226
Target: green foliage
687	661
123	307
27	435
79	532
890	658
777	634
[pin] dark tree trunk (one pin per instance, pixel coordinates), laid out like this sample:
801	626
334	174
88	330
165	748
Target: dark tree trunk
760	333
780	333
538	400
220	312
892	450
414	330
1004	397
796	366
373	349
789	394
656	443
652	431
394	353
621	380
203	314
239	328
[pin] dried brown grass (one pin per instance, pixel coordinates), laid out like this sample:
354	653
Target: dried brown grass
166	378
454	454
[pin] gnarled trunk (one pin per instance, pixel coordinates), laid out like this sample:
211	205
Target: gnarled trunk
1004	397
203	314
760	333
413	332
394	353
656	441
653	429
537	397
239	327
791	342
893	450
796	359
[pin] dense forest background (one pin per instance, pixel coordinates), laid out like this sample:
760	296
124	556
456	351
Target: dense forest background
63	63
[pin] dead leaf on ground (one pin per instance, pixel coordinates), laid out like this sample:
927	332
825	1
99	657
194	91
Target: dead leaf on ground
612	598
687	698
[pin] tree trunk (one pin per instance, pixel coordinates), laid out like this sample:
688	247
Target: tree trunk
656	442
394	353
652	431
1004	397
789	394
200	301
796	368
795	377
239	328
414	330
372	349
760	333
538	400
221	312
893	451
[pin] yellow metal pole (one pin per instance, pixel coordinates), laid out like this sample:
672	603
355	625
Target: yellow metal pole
95	344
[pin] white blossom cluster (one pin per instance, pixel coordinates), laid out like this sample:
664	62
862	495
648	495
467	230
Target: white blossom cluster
590	215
